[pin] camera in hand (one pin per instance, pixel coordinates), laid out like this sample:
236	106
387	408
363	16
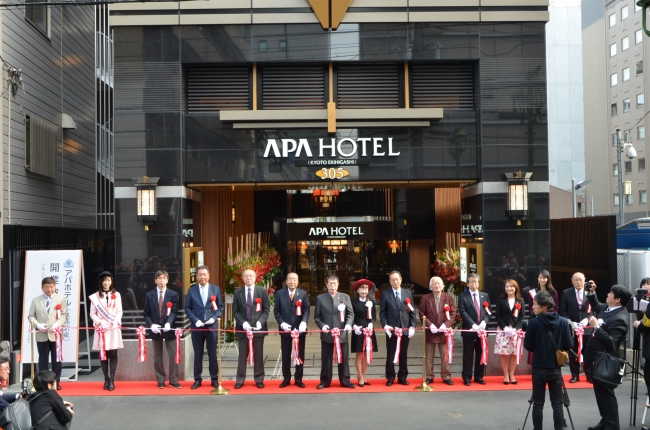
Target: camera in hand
589	286
640	293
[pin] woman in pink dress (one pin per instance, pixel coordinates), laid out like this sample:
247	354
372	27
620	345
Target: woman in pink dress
106	313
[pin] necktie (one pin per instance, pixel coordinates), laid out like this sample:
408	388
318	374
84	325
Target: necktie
580	298
249	305
160	303
478	309
397	296
48	302
291	296
203	296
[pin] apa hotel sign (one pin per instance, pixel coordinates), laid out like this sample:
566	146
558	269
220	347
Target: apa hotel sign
331	147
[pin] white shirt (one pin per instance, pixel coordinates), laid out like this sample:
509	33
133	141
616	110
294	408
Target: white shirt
511	303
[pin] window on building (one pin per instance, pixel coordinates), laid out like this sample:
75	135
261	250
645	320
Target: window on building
643	197
639	68
613	139
640	132
629	199
640	100
638	36
615	169
628	167
612	20
613	79
625	43
283	45
642	164
614	109
38	15
626	74
263	46
626	105
615	199
624	12
612	49
218	87
432	85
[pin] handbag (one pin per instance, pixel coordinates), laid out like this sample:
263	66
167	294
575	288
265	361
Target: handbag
607	370
560	356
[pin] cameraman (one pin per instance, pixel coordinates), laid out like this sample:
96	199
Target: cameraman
5	398
545	368
643	327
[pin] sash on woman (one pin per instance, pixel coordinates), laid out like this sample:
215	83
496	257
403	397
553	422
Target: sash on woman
101	308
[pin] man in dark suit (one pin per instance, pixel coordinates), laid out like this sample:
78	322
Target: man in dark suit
204	313
334	310
396	311
251	308
5	398
574	307
292	313
610	328
475	316
159	315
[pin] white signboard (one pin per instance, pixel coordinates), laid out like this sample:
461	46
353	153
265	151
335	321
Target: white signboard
66	267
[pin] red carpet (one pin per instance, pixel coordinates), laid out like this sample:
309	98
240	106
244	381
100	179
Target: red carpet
150	388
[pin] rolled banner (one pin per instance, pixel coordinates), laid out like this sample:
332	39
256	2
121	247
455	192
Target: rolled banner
101	331
579	333
258	305
336	333
449	333
169	308
369	306
178	332
251	359
516	311
298	307
408	303
142	344
58	340
482	334
520	341
398	332
113	297
341	309
213	299
447	309
58	311
295	336
486	305
367	344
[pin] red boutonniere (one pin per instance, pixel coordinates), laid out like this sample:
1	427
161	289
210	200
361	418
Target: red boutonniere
516	312
258	305
408	303
298	307
58	311
447	309
213	299
113	297
486	305
169	308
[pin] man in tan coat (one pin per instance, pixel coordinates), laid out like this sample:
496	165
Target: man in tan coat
44	316
432	306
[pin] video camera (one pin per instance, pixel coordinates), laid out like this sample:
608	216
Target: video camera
26	387
589	286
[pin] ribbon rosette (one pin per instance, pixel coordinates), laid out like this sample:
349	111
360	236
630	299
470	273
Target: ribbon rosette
398	332
447	309
142	344
251	359
336	333
482	335
258	305
449	334
295	336
213	299
299	307
57	338
486	305
520	340
408	303
58	311
101	332
579	333
178	332
169	308
369	307
367	344
516	312
341	309
113	297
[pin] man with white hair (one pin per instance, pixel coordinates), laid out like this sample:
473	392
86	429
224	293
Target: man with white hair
439	310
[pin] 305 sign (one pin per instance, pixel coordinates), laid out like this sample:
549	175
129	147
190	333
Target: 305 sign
332	173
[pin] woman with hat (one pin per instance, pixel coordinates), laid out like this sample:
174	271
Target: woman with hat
106	313
365	315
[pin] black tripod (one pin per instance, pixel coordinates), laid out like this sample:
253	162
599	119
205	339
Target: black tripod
565	401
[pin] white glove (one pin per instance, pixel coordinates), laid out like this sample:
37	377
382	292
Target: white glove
258	326
411	332
286	327
584	322
167	327
155	328
41	326
104	325
388	329
442	327
369	304
482	325
325	328
475	327
210	321
302	327
433	329
246	326
370	326
55	325
199	324
356	330
348	328
116	324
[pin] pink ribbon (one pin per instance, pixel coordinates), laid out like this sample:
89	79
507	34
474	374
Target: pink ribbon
369	313
101	331
59	347
520	338
367	343
142	344
449	333
579	333
295	336
299	308
336	333
178	332
251	359
398	332
482	334
589	308
214	305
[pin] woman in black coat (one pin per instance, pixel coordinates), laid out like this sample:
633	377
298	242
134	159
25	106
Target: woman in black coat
510	317
47	409
363	306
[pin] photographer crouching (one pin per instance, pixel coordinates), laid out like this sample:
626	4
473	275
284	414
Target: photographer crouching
609	321
643	328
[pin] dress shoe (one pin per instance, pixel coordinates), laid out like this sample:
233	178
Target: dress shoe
598	426
215	384
366	383
514	382
58	386
505	382
429	381
195	385
299	384
574	380
260	384
350	385
176	385
389	383
238	385
161	386
479	381
448	381
320	386
466	382
284	383
404	382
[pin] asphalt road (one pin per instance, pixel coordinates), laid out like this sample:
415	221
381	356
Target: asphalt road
480	410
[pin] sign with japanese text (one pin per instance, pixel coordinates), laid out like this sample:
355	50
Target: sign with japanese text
66	268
